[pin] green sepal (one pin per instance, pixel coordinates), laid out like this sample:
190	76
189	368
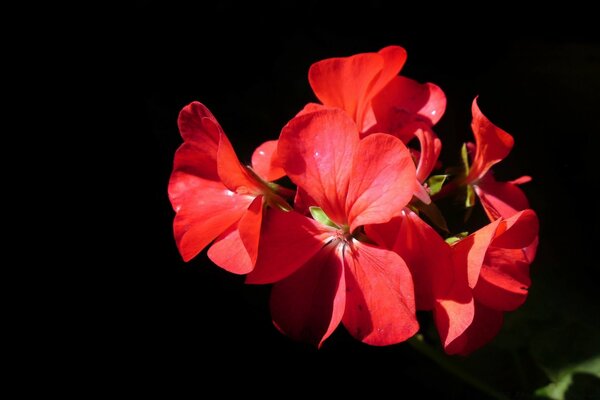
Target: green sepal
435	183
457	237
319	215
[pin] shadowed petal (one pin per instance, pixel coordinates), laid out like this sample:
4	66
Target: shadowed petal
518	231
288	240
308	305
500	199
431	147
380	307
383	180
504	279
405	101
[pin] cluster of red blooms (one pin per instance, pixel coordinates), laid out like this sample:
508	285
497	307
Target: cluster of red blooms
351	243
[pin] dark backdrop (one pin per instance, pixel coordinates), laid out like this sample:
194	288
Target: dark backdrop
537	79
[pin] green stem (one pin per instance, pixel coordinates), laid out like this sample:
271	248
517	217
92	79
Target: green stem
446	363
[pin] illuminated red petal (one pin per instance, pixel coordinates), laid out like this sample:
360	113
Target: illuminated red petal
346	82
200	131
232	173
500	199
228	252
204	210
403	102
380	306
439	285
236	250
266	163
288	240
316	152
309	304
453	316
486	325
383	180
427	255
394	58
492	144
470	251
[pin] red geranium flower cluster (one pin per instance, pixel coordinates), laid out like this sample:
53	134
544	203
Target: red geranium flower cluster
359	241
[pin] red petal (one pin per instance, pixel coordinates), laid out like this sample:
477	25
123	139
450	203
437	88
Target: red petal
454	315
266	163
439	285
200	131
431	147
205	207
394	58
309	304
380	306
470	252
288	240
492	144
232	173
521	180
500	199
405	101
316	152
518	231
383	180
312	107
504	279
228	252
486	325
204	210
346	82
303	202
424	251
249	227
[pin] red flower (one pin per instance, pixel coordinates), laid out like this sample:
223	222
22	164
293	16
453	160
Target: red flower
368	88
439	285
496	259
326	275
492	145
215	197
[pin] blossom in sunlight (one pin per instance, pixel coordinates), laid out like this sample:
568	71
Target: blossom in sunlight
496	259
215	197
326	270
367	86
492	145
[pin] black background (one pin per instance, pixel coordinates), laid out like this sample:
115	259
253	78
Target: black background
537	78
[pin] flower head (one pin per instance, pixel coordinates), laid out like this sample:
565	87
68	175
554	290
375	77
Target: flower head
496	259
492	145
215	197
326	272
